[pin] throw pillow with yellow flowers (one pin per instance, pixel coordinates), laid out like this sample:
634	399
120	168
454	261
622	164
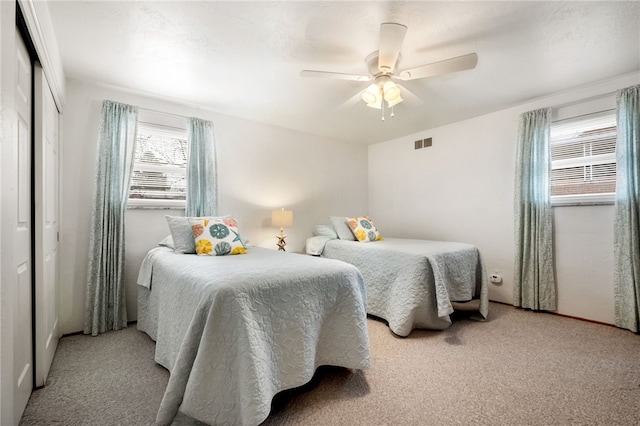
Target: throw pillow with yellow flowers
217	237
363	229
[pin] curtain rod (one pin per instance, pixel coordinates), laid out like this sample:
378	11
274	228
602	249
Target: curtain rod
583	115
162	125
587	99
162	112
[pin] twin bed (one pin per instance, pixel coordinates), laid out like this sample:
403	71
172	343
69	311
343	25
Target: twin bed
235	330
416	283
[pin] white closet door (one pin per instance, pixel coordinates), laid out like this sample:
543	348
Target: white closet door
22	349
46	225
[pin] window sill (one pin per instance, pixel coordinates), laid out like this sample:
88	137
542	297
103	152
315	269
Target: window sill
137	203
583	200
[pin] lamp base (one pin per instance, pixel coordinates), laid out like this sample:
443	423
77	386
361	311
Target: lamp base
281	243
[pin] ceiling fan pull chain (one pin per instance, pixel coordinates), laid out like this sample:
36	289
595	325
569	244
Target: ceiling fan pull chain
382	110
392	114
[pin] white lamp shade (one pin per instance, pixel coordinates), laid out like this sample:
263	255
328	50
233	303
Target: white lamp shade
396	101
371	95
377	104
282	218
391	91
384	90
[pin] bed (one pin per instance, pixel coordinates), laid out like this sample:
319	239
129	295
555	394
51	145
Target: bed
235	330
414	283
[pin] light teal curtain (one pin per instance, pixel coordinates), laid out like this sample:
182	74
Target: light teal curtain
105	302
534	284
202	185
627	219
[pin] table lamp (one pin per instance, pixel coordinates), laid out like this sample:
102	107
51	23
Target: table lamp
284	219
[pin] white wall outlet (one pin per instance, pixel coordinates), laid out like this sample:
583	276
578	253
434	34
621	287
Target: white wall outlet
495	277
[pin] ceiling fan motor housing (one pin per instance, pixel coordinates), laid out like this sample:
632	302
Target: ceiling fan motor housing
372	65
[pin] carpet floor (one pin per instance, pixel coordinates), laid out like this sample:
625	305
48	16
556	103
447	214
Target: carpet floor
517	368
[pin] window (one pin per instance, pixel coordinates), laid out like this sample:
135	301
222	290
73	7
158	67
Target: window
583	159
158	178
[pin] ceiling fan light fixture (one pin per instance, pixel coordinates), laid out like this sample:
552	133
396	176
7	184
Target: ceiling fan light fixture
394	102
377	104
391	91
372	95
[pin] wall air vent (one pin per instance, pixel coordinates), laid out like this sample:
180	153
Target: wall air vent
422	143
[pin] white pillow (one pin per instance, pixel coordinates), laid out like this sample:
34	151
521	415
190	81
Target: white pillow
167	242
183	241
342	229
325	231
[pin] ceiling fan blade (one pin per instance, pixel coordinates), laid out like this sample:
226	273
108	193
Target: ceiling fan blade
351	101
460	63
391	38
334	75
410	98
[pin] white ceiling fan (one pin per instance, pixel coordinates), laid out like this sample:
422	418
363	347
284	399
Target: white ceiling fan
383	69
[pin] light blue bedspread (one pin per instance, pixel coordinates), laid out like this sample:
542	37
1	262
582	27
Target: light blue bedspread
412	283
235	330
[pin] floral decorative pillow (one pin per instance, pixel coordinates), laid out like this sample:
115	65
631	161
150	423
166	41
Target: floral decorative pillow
217	237
181	234
363	229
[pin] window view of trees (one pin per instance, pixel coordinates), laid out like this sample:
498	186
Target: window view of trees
159	169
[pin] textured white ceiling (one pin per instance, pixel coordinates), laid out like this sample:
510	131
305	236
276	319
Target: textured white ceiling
244	58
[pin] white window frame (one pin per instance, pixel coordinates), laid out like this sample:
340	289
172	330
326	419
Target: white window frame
169	123
602	106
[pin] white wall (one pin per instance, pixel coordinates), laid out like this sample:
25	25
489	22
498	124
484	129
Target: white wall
461	189
260	167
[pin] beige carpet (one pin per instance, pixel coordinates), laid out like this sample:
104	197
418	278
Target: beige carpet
518	368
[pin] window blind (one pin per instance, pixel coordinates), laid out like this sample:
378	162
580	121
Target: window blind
160	161
583	155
